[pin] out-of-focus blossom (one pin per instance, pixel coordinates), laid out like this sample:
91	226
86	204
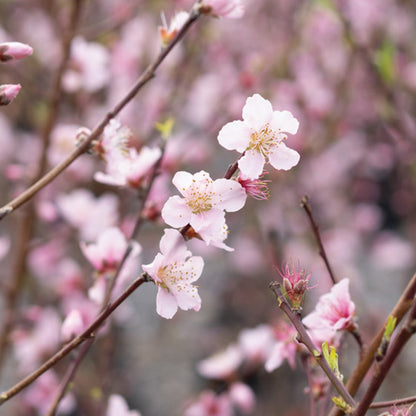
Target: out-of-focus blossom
41	394
174	270
210	404
14	50
167	33
72	325
4	246
284	348
117	406
242	397
89	214
232	9
107	253
203	203
334	311
8	92
256	343
221	365
398	411
88	66
295	284
260	137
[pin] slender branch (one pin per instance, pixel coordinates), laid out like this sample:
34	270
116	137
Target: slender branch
307	207
367	357
147	75
26	223
408	329
307	341
391	403
84	336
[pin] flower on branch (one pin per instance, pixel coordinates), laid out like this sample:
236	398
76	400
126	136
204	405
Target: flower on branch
117	406
8	92
167	33
260	136
14	50
334	312
203	204
174	270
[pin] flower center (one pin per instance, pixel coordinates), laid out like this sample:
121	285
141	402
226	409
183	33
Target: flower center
261	141
177	276
199	200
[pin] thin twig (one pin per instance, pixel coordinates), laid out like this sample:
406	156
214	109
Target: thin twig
147	75
408	329
306	206
307	341
84	336
391	403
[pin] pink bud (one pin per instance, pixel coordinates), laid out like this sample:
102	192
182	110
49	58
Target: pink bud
232	9
72	326
243	397
14	50
8	93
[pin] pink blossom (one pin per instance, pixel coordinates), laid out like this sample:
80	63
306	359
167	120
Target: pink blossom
256	188
334	311
223	364
210	404
256	343
117	406
232	9
89	66
260	137
174	271
89	214
167	33
4	246
107	253
203	204
14	50
72	325
285	347
242	397
8	92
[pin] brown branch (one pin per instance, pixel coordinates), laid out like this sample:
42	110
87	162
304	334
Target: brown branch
306	206
305	339
405	333
391	403
87	334
369	352
147	75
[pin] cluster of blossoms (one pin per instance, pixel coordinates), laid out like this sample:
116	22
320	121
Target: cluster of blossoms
10	51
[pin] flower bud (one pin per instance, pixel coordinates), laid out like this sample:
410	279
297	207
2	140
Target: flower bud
14	50
8	93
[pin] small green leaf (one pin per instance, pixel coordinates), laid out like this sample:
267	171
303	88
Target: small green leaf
390	326
165	128
384	61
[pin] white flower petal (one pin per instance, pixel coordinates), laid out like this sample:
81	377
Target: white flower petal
166	305
282	157
173	247
229	195
257	112
234	136
283	121
251	164
182	180
175	212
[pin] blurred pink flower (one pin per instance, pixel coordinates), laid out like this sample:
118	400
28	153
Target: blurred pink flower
14	50
203	204
8	92
72	325
334	311
174	271
4	246
107	253
260	137
242	397
221	365
256	343
210	404
256	188
117	406
233	9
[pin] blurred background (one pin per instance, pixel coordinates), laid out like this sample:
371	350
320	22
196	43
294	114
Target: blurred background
346	70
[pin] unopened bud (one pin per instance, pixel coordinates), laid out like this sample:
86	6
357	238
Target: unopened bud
8	93
14	50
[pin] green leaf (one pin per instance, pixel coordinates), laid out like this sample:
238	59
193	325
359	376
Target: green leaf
385	61
165	128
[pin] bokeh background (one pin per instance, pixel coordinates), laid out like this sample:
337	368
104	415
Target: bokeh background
346	69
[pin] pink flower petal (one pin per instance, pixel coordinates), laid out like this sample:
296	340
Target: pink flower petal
257	112
282	157
173	247
230	195
175	212
251	164
234	136
182	180
283	121
166	304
